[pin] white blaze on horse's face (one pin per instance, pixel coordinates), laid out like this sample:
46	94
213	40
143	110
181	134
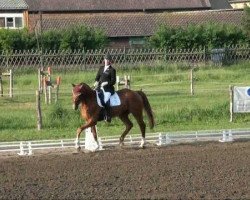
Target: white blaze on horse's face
76	92
75	98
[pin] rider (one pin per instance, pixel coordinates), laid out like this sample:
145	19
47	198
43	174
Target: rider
106	79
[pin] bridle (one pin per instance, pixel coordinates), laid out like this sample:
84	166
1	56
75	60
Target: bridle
76	99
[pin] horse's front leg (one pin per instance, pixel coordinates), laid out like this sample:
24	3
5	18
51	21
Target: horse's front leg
79	131
94	132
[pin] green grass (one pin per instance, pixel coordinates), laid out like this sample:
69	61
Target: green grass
168	90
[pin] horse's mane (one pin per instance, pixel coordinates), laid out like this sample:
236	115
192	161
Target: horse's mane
85	85
85	90
82	87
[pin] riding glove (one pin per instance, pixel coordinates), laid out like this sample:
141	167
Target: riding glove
104	83
96	84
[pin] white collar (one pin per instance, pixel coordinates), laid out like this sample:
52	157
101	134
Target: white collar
106	67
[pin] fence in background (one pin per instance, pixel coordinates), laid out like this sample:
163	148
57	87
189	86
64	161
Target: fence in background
159	139
82	60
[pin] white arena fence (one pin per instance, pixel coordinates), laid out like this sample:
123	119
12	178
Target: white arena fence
159	139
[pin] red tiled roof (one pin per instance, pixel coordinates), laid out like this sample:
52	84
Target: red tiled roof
141	24
115	5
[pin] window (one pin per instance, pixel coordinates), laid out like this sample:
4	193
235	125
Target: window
18	22
2	22
11	20
136	42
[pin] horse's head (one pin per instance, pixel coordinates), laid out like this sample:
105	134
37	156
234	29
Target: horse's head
78	93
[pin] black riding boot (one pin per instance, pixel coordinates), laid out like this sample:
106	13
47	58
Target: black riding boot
107	112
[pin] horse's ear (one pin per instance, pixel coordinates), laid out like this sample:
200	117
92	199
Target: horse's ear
73	85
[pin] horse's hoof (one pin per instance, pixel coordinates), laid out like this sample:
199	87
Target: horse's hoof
78	149
121	144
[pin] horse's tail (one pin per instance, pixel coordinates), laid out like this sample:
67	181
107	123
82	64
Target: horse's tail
147	108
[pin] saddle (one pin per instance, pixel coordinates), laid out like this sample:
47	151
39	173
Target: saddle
114	99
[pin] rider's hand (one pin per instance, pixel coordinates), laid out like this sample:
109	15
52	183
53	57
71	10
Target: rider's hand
104	83
96	84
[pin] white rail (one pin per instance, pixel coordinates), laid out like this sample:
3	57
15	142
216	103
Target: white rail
163	138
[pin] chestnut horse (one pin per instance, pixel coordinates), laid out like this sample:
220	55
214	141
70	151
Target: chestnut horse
131	102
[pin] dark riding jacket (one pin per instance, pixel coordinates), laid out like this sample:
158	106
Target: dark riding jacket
108	76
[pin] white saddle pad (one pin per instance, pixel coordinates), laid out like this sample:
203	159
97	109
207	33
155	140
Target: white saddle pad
114	100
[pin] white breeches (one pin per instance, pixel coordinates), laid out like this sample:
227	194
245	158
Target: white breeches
107	95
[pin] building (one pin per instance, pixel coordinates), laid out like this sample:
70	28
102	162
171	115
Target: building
220	4
126	23
129	30
13	14
239	4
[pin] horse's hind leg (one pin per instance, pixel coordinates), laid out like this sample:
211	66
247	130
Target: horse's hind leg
94	132
128	125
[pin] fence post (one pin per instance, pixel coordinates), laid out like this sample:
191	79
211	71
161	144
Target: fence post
11	83
129	81
117	82
49	85
191	81
41	60
58	82
41	63
84	60
7	59
10	75
1	86
38	109
45	89
125	55
126	81
231	93
40	80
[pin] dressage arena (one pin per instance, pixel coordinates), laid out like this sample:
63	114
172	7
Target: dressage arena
198	170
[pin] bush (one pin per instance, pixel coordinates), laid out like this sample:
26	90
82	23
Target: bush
196	36
51	40
82	37
58	116
78	37
16	40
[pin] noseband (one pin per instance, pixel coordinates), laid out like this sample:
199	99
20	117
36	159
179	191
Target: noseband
79	93
76	99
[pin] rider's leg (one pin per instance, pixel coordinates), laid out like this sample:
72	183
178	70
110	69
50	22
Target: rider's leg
107	106
108	111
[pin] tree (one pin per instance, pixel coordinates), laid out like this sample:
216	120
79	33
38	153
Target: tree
246	21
